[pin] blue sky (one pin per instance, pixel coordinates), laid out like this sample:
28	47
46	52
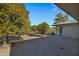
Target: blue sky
42	12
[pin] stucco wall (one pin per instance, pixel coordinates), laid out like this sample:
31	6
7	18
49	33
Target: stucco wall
57	30
71	30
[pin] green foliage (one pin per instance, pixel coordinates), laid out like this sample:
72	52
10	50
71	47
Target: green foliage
13	19
43	27
34	28
49	30
60	18
39	27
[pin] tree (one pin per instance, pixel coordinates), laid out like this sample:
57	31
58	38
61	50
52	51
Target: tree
43	27
34	28
39	27
60	18
49	30
13	19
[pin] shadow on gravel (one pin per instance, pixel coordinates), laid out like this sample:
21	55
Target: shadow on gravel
47	46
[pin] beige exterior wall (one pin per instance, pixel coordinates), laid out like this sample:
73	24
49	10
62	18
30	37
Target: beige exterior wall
56	30
71	30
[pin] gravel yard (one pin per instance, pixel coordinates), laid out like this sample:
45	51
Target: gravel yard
5	50
42	46
48	46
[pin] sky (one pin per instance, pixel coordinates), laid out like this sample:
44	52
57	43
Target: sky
42	12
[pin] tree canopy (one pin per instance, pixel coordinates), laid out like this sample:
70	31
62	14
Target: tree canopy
13	19
34	28
43	27
61	18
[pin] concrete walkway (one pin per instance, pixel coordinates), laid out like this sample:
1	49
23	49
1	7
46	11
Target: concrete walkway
5	50
48	46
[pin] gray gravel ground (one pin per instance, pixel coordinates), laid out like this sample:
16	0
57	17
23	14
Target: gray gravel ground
48	46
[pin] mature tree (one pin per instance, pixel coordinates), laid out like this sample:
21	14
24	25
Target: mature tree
49	30
61	18
13	19
39	27
34	28
43	27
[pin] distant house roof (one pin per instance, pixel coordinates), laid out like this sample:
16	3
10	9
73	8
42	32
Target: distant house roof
66	22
